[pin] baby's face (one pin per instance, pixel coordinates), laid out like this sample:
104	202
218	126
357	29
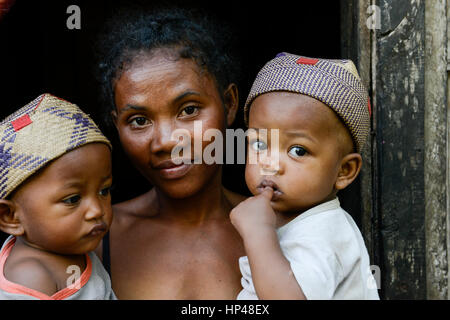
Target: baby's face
304	166
66	208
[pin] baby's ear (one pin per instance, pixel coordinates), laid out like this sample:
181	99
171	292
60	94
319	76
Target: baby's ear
9	222
349	170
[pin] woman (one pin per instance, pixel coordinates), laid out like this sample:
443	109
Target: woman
161	72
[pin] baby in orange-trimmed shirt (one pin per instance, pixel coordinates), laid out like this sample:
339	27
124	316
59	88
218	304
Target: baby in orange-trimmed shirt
55	177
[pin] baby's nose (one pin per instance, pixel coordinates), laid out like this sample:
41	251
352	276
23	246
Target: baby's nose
95	210
270	165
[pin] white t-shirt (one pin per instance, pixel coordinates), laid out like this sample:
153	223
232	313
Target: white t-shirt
327	255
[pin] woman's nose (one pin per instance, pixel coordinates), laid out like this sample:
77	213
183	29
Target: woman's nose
162	140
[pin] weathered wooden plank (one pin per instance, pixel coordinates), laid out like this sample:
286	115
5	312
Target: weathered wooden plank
448	149
435	135
356	45
399	76
369	214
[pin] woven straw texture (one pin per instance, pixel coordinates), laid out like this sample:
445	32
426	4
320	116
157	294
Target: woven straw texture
334	82
39	132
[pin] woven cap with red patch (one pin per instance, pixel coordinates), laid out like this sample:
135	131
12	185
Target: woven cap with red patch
43	130
336	83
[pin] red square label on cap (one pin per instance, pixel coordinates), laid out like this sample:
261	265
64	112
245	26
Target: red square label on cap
21	122
310	61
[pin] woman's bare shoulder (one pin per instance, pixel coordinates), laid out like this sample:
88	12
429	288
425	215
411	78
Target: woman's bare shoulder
142	205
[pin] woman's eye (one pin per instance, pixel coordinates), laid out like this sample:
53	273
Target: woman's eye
259	145
105	191
297	151
139	121
72	200
189	111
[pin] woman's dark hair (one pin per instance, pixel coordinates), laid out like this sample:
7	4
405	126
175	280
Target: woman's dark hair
191	33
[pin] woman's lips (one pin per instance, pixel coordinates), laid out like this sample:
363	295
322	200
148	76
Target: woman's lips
277	193
169	170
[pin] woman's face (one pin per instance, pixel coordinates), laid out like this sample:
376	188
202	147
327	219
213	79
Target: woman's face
156	95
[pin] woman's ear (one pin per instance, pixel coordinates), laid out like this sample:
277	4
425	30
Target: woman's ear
9	222
231	100
349	170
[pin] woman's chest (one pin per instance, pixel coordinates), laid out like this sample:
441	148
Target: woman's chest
177	265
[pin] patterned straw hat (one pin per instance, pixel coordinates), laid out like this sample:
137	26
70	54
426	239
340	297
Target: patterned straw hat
41	131
334	82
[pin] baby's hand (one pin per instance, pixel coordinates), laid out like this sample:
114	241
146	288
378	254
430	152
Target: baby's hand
254	215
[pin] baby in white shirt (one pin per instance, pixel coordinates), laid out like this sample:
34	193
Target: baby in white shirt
308	120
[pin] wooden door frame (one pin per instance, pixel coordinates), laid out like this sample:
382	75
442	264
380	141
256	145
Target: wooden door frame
404	189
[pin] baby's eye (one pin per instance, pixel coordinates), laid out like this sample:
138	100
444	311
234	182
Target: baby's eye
297	151
105	191
139	122
259	145
189	111
72	199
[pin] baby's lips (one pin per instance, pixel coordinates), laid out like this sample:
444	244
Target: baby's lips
265	188
275	194
268	183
